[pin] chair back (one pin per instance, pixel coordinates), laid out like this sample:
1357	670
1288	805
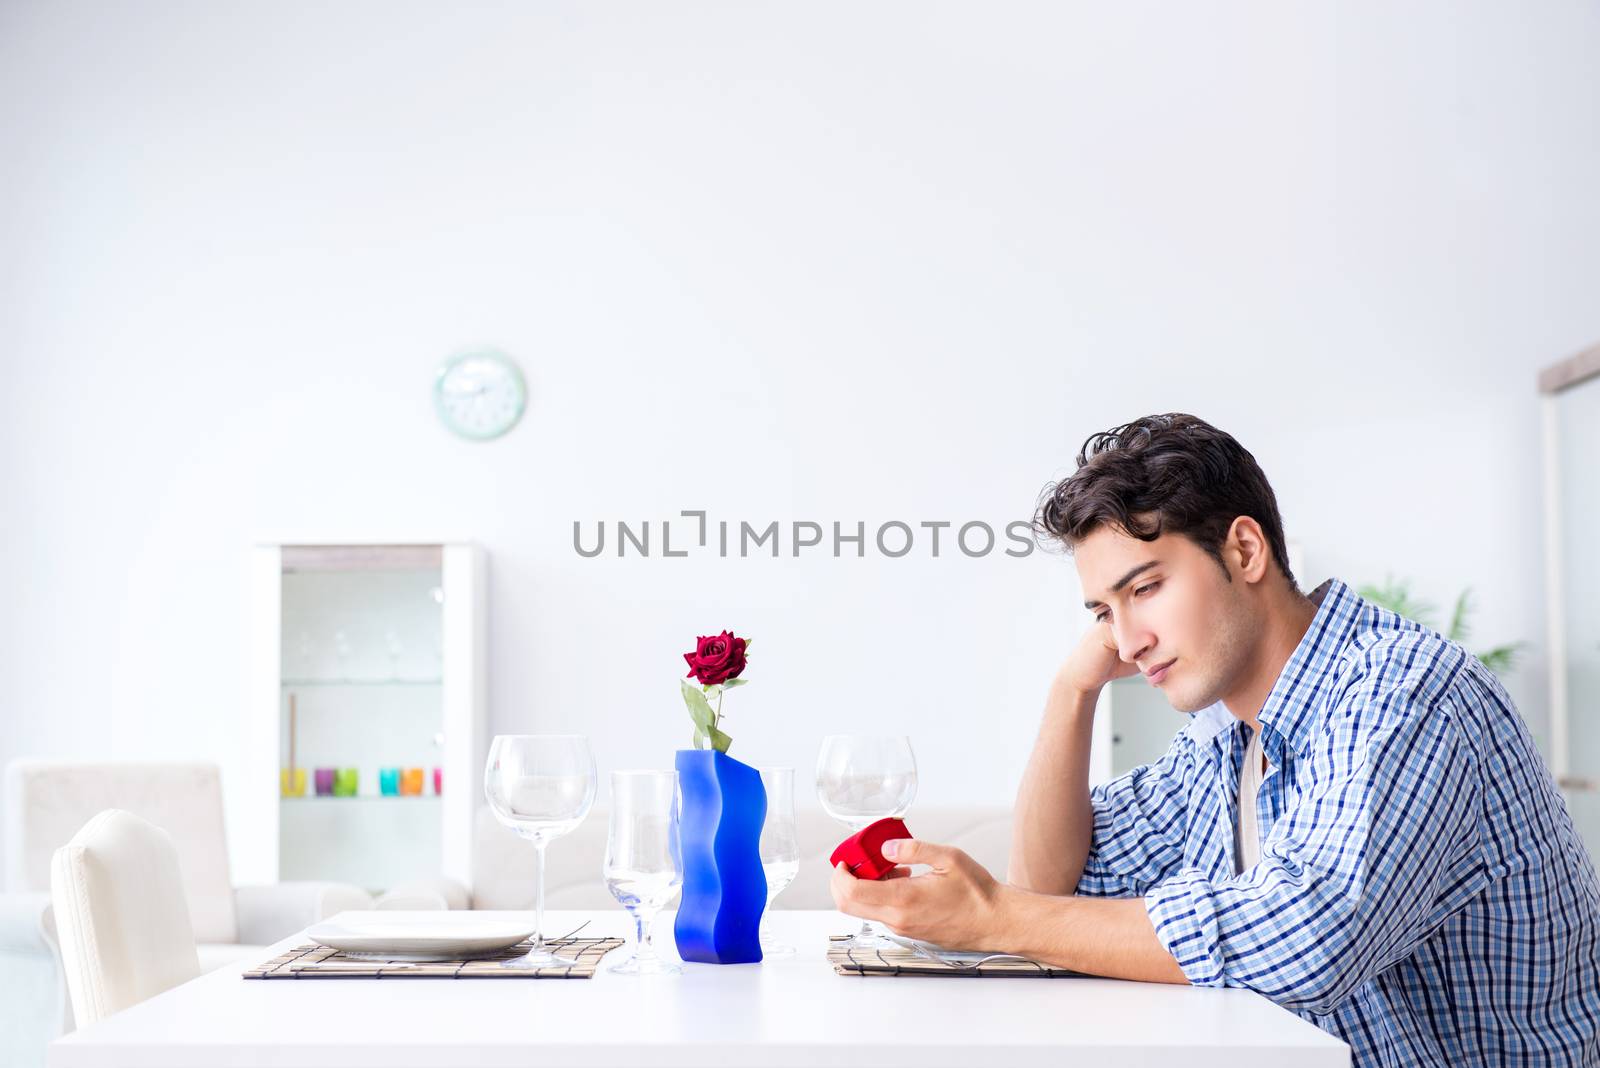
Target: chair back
121	915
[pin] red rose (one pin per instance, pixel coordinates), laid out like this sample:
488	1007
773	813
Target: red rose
716	660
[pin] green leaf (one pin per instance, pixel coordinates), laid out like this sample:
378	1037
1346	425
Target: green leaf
720	741
699	737
1459	630
693	696
1396	597
734	682
747	647
1501	658
712	691
699	710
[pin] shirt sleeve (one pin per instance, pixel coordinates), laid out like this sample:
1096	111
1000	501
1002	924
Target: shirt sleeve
1375	853
1139	821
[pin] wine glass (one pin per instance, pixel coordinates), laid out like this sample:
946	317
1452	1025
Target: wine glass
780	851
644	863
862	779
541	786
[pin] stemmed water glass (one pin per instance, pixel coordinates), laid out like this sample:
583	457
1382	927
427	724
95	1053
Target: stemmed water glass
780	850
644	862
862	779
541	786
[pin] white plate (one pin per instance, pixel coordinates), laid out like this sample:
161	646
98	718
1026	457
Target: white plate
419	935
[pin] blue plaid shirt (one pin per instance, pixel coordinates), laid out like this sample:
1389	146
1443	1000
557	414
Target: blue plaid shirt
1421	893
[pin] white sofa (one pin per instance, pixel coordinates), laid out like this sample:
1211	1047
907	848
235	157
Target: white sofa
503	864
47	802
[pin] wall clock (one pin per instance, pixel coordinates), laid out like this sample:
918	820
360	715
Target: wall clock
479	395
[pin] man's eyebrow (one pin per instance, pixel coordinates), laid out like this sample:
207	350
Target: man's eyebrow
1124	580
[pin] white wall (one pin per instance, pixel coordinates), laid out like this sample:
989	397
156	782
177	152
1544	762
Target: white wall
821	261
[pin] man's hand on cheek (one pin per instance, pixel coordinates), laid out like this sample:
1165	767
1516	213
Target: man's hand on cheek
957	904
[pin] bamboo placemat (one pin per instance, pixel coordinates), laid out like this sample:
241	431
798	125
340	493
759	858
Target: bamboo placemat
321	962
899	961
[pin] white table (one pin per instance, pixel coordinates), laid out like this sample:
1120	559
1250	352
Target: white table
783	1013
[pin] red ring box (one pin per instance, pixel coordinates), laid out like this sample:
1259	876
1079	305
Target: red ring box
862	852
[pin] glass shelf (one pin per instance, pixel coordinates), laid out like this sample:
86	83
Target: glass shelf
330	799
301	684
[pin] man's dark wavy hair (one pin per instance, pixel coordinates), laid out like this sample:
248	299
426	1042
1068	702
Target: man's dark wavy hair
1172	474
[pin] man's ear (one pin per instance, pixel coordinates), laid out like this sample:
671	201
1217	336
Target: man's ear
1247	548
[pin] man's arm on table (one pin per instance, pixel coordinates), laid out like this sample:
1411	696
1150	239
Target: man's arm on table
1100	935
960	905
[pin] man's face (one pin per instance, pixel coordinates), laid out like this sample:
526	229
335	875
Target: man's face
1171	611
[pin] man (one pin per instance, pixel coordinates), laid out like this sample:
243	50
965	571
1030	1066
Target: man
1354	822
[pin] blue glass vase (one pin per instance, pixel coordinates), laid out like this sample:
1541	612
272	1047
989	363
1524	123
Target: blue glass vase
724	885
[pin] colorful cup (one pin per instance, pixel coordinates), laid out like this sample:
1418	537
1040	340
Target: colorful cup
324	781
292	782
344	782
438	780
411	782
389	781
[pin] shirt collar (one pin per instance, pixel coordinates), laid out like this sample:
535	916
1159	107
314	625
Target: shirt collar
1286	716
1292	706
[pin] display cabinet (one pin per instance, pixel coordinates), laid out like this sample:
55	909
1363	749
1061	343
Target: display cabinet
368	734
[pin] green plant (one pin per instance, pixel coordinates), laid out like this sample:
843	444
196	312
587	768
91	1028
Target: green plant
1396	596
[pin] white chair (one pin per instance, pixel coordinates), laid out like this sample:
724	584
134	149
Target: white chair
121	915
47	802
